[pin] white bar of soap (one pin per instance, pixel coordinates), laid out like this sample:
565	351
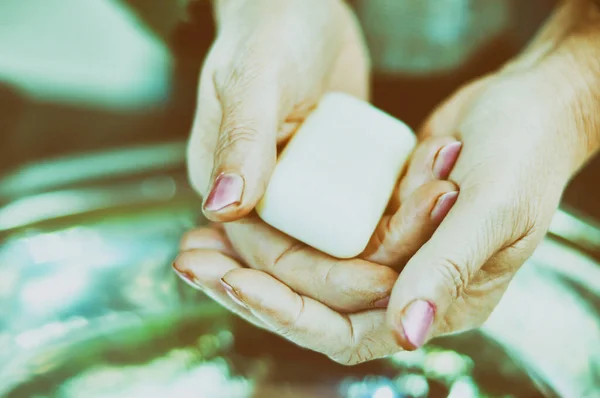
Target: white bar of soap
335	177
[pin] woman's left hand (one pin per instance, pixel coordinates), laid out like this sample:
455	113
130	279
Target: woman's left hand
526	130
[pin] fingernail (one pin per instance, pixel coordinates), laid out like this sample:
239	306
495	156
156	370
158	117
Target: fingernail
227	190
443	206
382	303
233	294
416	322
445	160
187	277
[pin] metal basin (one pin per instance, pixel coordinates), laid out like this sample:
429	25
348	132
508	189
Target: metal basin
92	309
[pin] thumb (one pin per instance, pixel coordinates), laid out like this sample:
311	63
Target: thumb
439	273
246	147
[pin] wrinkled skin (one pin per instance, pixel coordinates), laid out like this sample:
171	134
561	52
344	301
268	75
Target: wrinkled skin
525	131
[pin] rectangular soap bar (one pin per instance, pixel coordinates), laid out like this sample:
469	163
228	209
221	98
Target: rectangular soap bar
334	179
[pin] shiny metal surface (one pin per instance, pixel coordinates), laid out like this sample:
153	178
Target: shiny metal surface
429	37
50	55
92	309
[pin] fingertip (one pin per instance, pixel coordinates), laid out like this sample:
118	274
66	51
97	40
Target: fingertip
250	284
445	160
417	212
237	277
429	204
443	206
361	278
235	194
262	293
204	267
423	200
412	325
356	286
226	199
433	159
186	276
399	236
233	294
204	238
377	288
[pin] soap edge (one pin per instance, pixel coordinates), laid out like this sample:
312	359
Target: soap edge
402	142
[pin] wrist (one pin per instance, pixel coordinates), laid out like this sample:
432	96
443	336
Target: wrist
564	60
576	65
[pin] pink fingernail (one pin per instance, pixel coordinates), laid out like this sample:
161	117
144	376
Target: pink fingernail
445	160
416	322
233	294
443	206
187	277
382	303
227	190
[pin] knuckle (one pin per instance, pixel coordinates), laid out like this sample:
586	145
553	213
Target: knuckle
504	215
288	325
283	258
454	276
380	284
191	260
233	136
240	71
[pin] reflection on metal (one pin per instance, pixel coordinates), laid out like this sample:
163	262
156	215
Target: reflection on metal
581	233
92	52
429	36
464	388
551	310
91	307
53	205
61	172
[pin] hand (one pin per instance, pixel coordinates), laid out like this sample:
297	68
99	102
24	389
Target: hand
526	130
251	100
328	288
269	65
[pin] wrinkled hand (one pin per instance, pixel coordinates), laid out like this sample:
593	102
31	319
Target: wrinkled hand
245	111
525	131
270	64
309	297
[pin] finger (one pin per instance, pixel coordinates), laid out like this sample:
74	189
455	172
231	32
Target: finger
223	131
203	269
245	151
347	339
441	270
344	285
211	238
433	160
203	138
399	236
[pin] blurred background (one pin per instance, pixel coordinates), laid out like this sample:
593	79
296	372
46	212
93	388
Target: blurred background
96	102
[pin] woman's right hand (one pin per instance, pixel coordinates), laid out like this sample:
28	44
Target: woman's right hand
271	62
